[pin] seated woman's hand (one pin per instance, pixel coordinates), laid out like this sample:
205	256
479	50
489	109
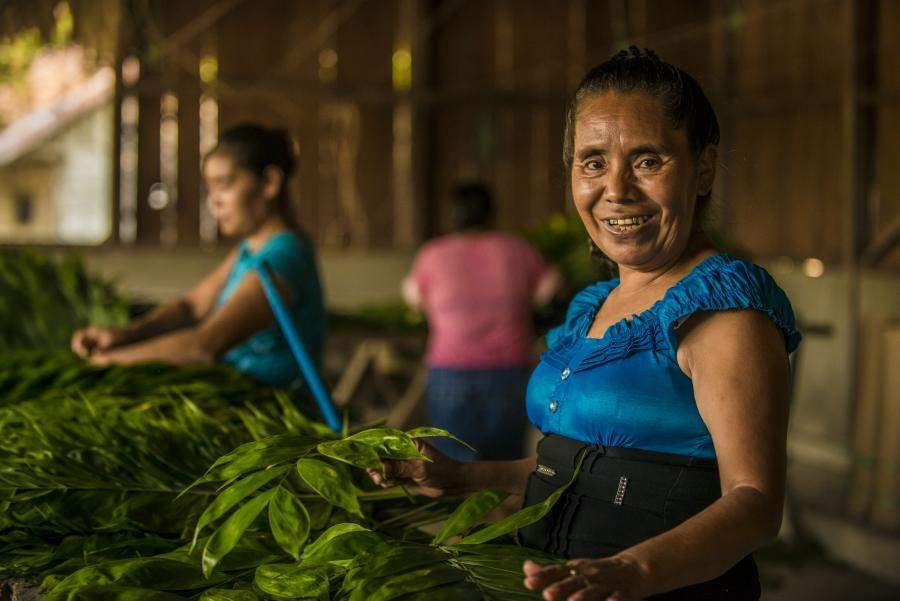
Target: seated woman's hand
436	478
617	578
95	339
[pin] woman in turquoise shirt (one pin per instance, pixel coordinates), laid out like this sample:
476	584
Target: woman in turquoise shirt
669	383
226	317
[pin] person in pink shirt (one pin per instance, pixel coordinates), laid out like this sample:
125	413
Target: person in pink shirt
477	288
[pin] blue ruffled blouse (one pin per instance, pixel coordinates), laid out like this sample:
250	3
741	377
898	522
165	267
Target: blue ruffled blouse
266	354
626	388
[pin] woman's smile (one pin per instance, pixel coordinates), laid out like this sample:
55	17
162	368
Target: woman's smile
629	226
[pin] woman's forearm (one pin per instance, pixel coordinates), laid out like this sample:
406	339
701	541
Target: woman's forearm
172	316
181	348
708	544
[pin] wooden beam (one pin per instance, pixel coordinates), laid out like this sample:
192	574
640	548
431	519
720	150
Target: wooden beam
326	30
200	24
882	244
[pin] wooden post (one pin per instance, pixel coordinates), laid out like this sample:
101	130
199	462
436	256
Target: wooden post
188	162
858	130
853	218
148	219
724	66
409	166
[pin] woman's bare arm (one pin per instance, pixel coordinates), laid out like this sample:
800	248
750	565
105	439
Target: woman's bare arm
739	367
246	312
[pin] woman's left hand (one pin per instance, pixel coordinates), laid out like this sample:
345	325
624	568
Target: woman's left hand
617	578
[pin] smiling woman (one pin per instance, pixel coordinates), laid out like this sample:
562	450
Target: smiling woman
668	384
642	159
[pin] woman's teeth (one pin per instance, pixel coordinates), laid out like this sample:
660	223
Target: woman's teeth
623	225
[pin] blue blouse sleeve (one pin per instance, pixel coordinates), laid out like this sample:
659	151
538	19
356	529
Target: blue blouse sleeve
736	285
289	256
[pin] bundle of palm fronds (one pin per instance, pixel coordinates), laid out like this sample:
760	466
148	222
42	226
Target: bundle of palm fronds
37	374
43	300
276	494
150	483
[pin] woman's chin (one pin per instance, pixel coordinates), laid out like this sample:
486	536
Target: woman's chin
629	253
228	230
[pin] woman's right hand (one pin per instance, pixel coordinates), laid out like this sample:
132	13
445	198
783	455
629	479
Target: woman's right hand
442	476
95	339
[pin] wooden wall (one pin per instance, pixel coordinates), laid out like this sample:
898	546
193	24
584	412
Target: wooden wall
487	101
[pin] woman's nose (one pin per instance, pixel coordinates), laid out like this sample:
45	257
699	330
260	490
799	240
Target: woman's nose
619	185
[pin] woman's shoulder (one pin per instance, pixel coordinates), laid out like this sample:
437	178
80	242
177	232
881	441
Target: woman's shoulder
723	282
285	241
589	298
286	252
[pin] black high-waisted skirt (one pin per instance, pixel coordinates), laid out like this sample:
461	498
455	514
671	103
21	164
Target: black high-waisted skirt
622	497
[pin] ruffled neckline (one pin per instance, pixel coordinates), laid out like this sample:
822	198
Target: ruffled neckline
648	318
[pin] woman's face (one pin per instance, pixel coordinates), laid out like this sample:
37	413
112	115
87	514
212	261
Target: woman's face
635	180
236	197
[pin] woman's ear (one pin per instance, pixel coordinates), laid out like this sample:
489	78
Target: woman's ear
706	169
272	181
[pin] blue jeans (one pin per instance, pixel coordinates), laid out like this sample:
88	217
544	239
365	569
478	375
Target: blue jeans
484	407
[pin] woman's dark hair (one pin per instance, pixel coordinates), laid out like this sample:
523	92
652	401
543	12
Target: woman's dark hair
641	70
254	148
473	206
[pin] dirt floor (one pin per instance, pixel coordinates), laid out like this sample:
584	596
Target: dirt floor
808	575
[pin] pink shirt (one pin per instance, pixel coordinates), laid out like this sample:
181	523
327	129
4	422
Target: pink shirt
477	291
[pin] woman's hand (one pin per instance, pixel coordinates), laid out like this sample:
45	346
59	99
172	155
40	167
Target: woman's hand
442	476
617	578
95	339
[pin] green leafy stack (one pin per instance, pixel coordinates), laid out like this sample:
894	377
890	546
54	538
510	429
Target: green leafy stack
281	492
150	483
43	301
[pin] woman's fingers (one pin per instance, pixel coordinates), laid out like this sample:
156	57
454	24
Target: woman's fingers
81	343
538	577
577	580
404	469
78	344
393	471
568	587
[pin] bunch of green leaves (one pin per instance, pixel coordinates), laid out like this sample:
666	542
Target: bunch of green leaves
268	498
107	465
31	375
44	300
301	481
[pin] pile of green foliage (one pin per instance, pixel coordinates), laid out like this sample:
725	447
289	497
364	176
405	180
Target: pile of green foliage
43	300
149	483
287	516
160	499
33	375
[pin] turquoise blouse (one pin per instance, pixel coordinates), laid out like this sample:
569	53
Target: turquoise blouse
626	389
266	354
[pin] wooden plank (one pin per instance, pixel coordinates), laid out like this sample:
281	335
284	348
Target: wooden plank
870	401
886	507
148	219
189	188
